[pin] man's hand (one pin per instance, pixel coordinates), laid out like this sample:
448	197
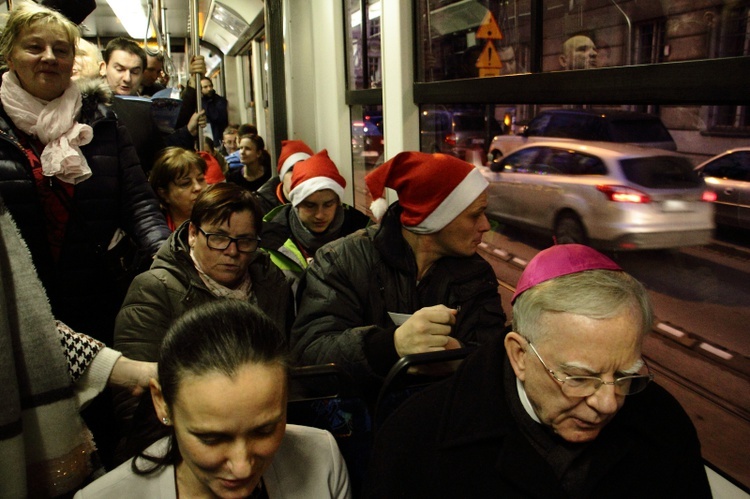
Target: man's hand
427	330
197	120
197	66
133	375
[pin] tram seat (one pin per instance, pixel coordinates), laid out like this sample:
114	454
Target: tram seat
402	381
326	397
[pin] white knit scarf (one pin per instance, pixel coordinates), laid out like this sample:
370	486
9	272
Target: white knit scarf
54	124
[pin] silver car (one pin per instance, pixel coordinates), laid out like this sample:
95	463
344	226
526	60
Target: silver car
728	176
612	196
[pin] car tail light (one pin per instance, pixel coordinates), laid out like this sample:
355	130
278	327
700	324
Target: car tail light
708	196
450	139
622	194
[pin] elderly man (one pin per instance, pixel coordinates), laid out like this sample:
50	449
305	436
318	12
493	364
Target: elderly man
413	283
561	407
578	52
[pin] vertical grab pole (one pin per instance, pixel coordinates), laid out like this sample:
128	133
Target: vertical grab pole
194	43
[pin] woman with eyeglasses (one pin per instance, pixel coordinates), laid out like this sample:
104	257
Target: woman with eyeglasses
212	256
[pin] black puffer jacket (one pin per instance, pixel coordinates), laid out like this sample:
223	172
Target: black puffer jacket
348	290
116	195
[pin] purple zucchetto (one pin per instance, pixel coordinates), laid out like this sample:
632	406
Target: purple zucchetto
560	260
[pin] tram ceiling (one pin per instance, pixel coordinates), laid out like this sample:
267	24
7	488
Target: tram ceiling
225	24
104	23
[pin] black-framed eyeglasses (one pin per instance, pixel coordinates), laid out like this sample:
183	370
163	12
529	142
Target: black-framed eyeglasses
585	386
222	242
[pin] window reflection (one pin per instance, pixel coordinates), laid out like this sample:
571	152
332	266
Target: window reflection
576	34
469	38
461	131
367	149
363	46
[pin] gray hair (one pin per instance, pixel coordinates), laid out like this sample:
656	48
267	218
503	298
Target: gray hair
597	294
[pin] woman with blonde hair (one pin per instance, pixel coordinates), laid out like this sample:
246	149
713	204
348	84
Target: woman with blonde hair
68	172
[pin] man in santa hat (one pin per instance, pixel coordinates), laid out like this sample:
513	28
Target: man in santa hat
275	192
412	283
293	232
562	406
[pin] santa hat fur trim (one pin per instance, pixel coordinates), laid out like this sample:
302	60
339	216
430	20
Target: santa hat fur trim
433	189
292	151
315	174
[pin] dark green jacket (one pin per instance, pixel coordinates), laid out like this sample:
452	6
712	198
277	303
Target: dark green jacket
346	295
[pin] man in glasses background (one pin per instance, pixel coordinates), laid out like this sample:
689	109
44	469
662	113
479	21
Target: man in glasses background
563	406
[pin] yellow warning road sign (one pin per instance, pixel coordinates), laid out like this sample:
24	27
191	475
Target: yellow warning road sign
489	29
489	58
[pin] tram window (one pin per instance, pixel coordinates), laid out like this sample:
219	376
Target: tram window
475	38
368	146
363	46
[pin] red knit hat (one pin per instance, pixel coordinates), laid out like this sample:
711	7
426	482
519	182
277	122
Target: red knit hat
314	174
291	152
560	260
433	189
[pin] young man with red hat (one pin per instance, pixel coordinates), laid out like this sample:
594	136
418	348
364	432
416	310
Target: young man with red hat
293	232
563	406
275	191
412	283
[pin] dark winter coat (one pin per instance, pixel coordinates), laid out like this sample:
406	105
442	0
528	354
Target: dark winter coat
278	238
172	287
460	439
116	195
216	114
268	195
354	282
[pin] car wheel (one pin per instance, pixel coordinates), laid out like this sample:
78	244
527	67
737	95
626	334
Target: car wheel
569	229
496	156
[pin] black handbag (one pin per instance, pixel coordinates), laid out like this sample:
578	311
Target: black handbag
120	260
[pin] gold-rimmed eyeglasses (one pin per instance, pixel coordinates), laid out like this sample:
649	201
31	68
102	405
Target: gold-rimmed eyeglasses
585	386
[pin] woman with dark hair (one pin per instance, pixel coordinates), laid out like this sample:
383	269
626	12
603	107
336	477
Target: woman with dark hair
253	173
210	257
178	176
221	398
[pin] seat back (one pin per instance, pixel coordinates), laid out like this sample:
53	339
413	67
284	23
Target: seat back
411	374
324	396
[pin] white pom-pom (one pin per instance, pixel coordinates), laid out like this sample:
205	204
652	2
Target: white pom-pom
378	208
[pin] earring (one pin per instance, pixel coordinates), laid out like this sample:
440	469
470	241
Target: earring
165	420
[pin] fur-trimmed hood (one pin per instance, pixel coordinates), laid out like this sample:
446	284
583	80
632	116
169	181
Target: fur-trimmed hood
96	97
95	88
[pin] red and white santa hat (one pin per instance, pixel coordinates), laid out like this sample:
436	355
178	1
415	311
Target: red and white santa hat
433	189
292	151
314	174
